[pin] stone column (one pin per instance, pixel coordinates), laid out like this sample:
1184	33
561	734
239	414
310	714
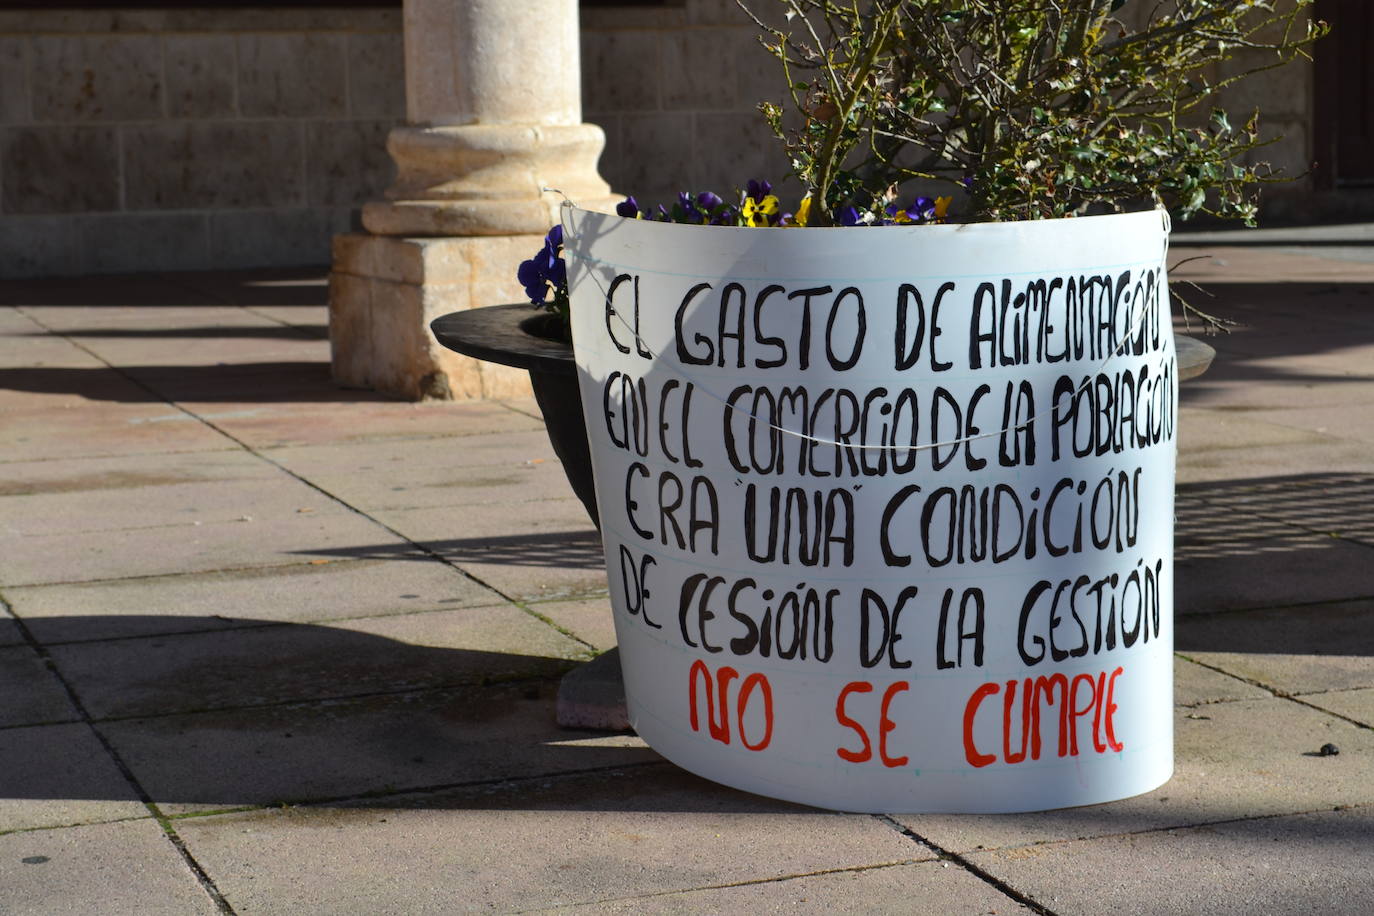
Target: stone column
494	112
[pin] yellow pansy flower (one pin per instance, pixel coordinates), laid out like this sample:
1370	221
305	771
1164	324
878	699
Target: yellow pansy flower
757	213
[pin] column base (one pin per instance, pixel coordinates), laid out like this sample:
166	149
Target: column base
383	293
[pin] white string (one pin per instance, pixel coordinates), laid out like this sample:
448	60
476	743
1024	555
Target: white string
567	206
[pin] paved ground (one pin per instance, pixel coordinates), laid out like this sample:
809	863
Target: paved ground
271	647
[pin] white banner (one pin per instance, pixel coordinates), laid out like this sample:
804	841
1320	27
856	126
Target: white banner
888	511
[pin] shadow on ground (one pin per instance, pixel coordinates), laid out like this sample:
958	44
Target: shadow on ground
563	549
228	712
264	286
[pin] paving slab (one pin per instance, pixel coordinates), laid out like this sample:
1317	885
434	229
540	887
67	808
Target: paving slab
1293	650
315	592
401	456
1328	503
105	868
9	633
55	775
1353	704
351	748
176	311
1270	572
918	889
32	694
89	556
267	498
589	619
1239	263
35	433
1223	465
278	380
55	388
1197	685
525	480
1308	863
159	350
562	842
34	349
93	475
292	662
528	551
1248	758
265	426
1205	430
1231	386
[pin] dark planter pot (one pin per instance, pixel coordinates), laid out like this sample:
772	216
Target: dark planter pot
524	337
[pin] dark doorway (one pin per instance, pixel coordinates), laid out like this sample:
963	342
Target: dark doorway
1345	94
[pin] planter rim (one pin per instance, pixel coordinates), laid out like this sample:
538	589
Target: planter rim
504	334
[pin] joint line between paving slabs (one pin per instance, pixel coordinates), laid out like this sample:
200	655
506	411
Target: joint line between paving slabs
1282	694
202	877
987	877
382	794
748	882
433	555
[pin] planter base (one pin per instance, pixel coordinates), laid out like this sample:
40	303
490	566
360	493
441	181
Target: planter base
593	695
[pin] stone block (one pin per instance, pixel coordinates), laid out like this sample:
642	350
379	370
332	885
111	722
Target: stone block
654	158
292	74
280	238
129	242
760	73
750	152
213	164
376	75
1290	153
14	80
97	77
621	71
379	320
34	246
106	868
347	162
200	76
1281	93
58	169
727	12
698	70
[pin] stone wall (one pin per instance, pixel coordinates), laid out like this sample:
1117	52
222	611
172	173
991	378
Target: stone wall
189	139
